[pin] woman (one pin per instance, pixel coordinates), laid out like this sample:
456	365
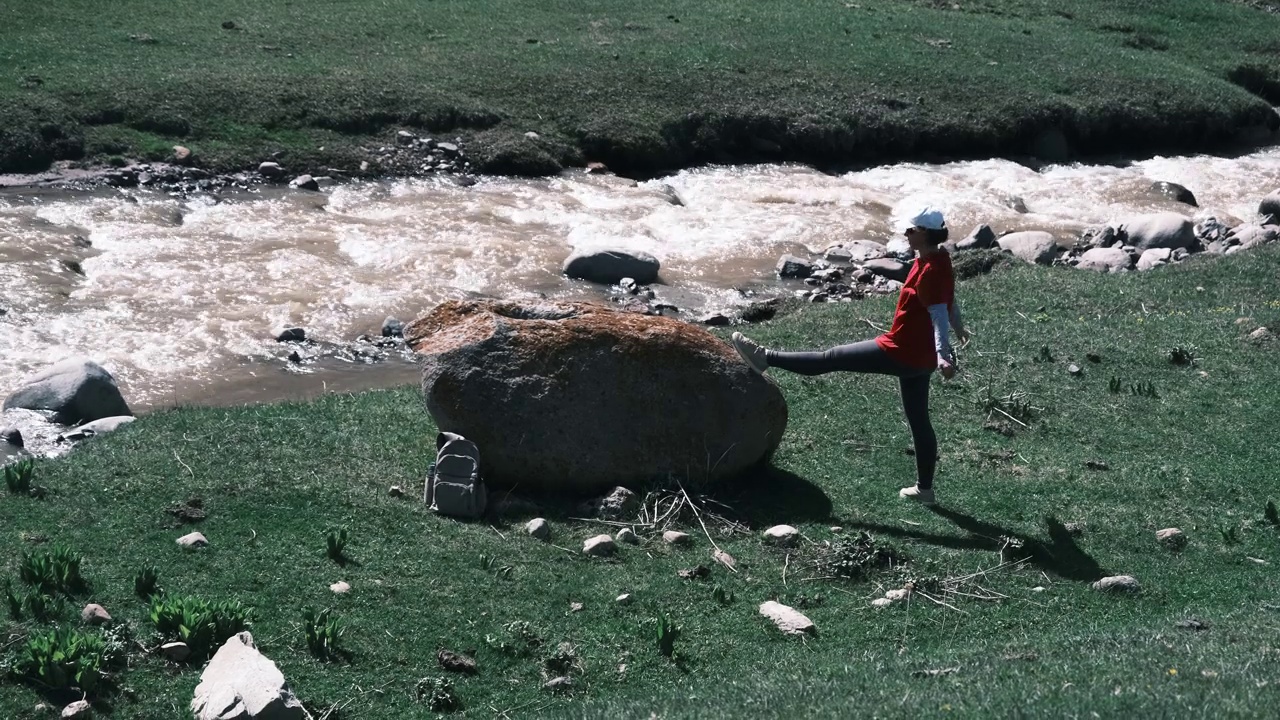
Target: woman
917	342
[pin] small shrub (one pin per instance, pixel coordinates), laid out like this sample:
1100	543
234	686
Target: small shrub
667	635
1271	514
722	596
1147	389
337	545
438	694
43	608
17	477
561	663
200	624
322	633
519	639
1184	355
1014	404
1115	386
146	583
53	572
855	557
1230	536
65	658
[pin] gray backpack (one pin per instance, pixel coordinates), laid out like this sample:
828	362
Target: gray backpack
453	485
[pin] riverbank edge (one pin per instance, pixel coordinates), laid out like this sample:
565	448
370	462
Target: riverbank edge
1040	137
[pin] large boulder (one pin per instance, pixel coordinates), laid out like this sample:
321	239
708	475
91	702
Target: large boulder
1269	208
981	238
75	390
1159	230
582	397
610	266
1109	259
240	683
1033	246
1175	192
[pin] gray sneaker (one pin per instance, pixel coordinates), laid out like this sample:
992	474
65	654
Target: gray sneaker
917	493
752	353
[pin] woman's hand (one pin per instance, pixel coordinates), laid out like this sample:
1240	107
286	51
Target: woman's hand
946	368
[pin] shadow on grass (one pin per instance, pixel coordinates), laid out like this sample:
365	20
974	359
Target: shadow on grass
770	495
1059	554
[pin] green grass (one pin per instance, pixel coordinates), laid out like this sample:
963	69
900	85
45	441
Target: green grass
643	87
275	480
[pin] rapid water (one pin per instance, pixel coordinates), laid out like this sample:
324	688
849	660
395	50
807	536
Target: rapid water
180	297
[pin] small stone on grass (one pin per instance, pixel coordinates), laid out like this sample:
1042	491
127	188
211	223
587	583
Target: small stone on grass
538	528
781	535
599	546
341	587
1118	583
628	536
193	540
675	537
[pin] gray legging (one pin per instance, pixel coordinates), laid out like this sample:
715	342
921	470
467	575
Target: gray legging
867	357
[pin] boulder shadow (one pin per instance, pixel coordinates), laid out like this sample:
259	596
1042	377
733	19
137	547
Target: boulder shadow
768	495
1059	554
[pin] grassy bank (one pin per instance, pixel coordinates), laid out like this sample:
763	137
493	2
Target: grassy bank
1190	446
641	87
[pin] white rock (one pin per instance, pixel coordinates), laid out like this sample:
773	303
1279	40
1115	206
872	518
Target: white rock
674	537
532	135
1154	258
837	529
193	540
1118	583
1033	246
240	683
1108	259
1172	538
599	546
1038	588
623	599
783	535
1163	230
1260	335
341	587
789	620
881	602
628	536
538	528
896	595
270	169
176	651
77	709
95	614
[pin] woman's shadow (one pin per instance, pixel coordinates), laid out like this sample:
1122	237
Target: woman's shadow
1059	554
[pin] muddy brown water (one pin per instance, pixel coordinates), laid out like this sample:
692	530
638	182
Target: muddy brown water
179	296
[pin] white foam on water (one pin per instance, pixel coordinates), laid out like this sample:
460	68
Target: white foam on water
181	295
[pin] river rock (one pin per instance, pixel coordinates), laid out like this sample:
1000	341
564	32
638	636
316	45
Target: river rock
76	390
293	334
981	238
13	436
788	619
609	266
391	327
1175	192
888	267
793	267
1159	230
1110	259
860	251
1033	246
97	427
270	169
1118	583
241	683
305	182
577	396
1154	258
1269	208
1250	235
181	155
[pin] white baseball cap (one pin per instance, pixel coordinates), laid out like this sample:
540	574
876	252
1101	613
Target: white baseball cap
928	217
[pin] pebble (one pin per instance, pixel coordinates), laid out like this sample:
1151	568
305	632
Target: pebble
77	709
783	535
341	587
881	602
788	619
674	537
95	614
599	546
193	540
628	536
1118	583
538	528
1172	538
623	599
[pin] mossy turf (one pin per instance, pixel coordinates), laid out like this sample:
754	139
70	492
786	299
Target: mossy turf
1198	453
643	87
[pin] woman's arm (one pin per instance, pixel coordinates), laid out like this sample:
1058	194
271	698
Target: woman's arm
942	332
